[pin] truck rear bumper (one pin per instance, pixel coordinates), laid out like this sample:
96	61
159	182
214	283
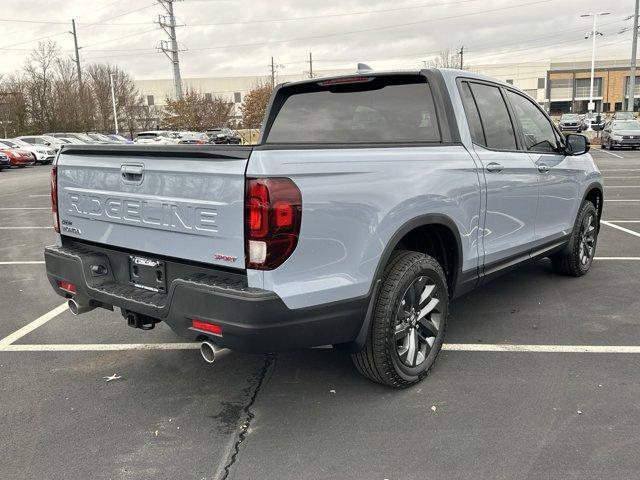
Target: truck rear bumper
252	320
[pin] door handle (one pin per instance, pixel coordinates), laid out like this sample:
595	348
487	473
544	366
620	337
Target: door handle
494	167
542	168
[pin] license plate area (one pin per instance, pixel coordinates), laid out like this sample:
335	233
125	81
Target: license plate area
147	273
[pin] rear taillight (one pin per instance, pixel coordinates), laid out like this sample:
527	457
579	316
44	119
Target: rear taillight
54	199
66	286
273	215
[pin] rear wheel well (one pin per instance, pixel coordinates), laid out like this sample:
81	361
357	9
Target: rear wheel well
437	241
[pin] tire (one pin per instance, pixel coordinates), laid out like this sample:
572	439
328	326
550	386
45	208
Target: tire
576	259
604	146
401	348
609	145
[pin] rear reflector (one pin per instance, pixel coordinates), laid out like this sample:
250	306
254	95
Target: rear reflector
66	286
206	327
54	199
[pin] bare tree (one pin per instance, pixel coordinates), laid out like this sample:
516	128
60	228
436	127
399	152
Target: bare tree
39	84
446	59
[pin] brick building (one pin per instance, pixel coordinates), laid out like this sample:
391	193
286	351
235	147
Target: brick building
568	87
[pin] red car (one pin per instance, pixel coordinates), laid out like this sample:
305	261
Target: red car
19	158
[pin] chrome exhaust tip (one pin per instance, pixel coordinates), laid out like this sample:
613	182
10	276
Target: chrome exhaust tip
77	309
208	352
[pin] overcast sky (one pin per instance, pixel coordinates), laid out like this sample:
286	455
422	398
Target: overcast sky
226	38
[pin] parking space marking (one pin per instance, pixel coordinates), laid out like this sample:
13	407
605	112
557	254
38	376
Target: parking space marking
622	229
100	347
620	170
611	153
617	178
41	195
452	347
38	322
623	221
34	262
498	347
633	259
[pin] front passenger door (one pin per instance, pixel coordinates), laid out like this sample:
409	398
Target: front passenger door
558	174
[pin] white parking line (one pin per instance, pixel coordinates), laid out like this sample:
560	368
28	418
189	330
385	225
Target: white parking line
623	221
41	195
622	229
605	170
34	262
452	347
617	178
633	259
100	347
38	322
611	153
486	347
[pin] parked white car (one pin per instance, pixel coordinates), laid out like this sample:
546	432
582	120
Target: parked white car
157	137
42	154
42	141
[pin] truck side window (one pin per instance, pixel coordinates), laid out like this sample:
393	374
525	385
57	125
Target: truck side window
496	122
473	117
538	133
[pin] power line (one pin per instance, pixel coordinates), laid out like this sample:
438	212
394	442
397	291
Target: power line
120	38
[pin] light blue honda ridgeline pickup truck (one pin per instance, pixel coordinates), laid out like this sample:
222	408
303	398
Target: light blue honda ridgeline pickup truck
369	203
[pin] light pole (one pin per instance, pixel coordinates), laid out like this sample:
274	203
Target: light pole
113	101
594	33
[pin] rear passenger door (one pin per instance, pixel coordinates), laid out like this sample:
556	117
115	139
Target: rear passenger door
558	174
510	174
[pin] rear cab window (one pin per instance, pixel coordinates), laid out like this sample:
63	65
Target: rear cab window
355	110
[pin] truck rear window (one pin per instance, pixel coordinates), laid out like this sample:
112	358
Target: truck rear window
386	109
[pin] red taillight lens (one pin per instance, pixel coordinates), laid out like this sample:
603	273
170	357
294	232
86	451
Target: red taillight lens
54	199
272	221
67	286
206	327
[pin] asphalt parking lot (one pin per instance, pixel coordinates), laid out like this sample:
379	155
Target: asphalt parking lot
539	379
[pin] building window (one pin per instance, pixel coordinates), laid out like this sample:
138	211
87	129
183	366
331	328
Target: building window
560	89
208	97
150	100
637	87
542	82
510	81
618	107
237	97
606	107
583	87
532	92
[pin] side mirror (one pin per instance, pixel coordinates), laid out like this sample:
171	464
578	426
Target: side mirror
577	144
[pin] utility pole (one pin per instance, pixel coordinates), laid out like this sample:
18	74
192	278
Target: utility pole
461	53
594	33
273	74
113	101
274	71
634	51
170	47
75	43
310	65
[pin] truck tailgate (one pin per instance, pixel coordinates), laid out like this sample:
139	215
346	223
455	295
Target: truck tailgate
184	202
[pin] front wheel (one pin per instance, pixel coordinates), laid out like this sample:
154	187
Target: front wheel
576	259
408	324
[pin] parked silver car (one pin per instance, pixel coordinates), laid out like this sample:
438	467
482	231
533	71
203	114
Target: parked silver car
621	133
